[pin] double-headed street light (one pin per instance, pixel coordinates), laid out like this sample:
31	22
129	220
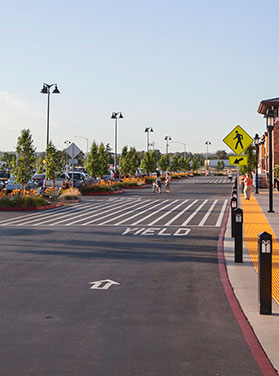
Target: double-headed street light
148	130
46	90
115	116
167	139
257	141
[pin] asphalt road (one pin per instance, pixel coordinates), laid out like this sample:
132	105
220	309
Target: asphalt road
167	315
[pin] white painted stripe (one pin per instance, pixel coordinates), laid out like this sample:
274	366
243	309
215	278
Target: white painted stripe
202	222
153	213
167	213
38	216
83	213
221	215
179	214
194	214
61	208
111	206
137	214
127	213
69	213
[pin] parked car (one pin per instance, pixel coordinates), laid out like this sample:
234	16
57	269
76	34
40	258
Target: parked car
12	184
79	178
39	178
60	180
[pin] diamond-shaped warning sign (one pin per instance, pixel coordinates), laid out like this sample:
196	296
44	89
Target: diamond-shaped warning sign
238	140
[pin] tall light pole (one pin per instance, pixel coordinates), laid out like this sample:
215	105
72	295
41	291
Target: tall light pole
85	138
115	116
167	139
207	143
46	90
257	143
270	125
184	145
148	130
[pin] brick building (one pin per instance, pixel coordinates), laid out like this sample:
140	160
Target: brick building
263	165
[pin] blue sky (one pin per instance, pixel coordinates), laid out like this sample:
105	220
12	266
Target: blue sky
191	70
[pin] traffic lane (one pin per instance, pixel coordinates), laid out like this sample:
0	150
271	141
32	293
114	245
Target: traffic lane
169	315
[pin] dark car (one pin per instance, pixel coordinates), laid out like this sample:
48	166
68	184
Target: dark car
79	178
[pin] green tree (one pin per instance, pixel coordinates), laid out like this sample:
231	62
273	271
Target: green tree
124	165
148	162
220	165
40	168
195	164
133	160
251	161
221	154
175	163
9	158
103	159
92	161
25	158
53	163
164	162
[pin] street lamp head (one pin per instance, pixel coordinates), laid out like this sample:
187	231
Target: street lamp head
270	118
146	130
120	115
44	89
56	91
257	139
113	115
151	129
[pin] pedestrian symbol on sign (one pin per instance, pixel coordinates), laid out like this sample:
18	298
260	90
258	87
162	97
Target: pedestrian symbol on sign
239	139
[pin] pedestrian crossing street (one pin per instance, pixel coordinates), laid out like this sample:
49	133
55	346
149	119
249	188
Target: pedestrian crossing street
208	180
127	212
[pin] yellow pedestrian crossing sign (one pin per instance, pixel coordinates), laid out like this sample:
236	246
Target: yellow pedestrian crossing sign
238	140
236	161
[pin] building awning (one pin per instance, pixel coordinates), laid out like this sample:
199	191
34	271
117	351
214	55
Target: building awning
266	104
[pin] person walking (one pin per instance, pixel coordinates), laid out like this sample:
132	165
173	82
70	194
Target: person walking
167	182
248	182
158	181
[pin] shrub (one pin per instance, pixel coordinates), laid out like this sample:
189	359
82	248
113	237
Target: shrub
69	194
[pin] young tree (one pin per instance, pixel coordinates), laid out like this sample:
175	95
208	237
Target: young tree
164	162
133	161
124	164
148	162
53	164
175	163
220	165
103	158
195	164
25	158
92	161
40	168
9	158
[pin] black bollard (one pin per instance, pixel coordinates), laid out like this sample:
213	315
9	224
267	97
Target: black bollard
233	206
238	241
265	273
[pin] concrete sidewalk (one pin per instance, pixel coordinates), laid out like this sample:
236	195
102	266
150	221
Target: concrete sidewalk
244	281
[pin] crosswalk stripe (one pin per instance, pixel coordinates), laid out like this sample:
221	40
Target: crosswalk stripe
221	215
179	214
153	213
202	222
137	214
167	213
49	211
126	213
116	205
193	214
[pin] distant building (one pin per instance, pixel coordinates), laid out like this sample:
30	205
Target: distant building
214	162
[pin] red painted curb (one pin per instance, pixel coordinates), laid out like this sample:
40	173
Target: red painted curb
102	193
136	187
35	207
255	347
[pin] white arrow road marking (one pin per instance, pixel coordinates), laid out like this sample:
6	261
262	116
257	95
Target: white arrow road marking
102	285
